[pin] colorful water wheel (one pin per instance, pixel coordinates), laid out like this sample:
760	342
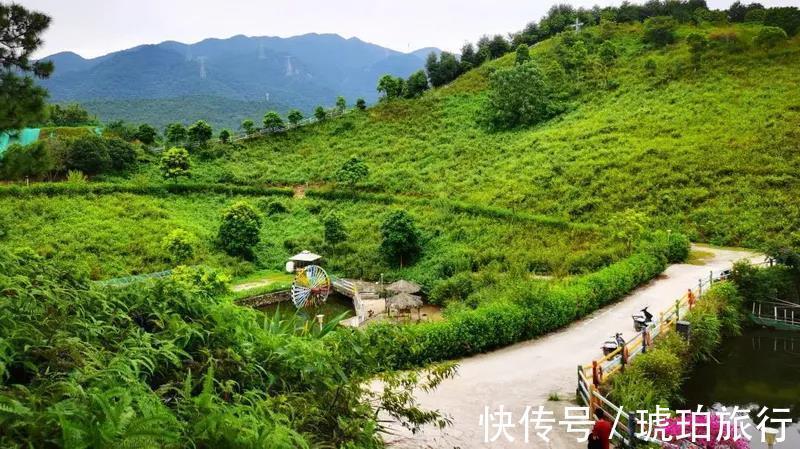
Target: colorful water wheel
311	287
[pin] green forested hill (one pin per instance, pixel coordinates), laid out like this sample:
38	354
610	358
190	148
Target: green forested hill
711	149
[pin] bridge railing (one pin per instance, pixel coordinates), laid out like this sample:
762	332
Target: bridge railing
593	375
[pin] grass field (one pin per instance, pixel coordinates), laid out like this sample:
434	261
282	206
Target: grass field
711	151
120	234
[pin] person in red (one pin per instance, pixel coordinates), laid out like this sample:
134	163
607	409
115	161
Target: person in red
601	432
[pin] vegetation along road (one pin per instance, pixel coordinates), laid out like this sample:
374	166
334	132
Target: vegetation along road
533	372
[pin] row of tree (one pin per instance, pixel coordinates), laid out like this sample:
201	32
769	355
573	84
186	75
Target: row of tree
659	17
89	154
273	121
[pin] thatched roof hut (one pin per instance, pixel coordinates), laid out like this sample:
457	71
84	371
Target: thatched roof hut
404	301
403	286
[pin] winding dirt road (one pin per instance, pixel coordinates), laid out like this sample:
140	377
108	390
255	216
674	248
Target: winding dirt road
528	373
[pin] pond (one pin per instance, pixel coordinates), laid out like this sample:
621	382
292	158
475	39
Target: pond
759	368
334	306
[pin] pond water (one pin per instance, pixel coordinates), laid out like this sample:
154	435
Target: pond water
333	307
759	368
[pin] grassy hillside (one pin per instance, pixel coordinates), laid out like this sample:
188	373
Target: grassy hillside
118	234
712	150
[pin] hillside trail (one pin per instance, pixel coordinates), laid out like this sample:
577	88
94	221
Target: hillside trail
528	373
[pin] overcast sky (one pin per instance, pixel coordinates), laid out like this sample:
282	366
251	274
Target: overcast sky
96	27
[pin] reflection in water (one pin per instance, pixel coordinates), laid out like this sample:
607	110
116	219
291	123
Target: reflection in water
761	368
333	307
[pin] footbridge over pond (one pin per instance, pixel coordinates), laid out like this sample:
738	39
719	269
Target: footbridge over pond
367	302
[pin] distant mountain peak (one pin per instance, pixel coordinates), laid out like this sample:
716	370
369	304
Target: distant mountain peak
300	71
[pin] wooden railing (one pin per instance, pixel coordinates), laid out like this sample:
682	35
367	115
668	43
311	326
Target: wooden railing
591	376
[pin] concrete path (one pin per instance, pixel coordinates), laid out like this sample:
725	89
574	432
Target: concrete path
528	373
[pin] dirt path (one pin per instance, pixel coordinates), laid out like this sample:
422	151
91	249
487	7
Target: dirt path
251	285
527	373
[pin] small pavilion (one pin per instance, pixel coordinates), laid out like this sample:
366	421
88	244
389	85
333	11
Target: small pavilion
302	260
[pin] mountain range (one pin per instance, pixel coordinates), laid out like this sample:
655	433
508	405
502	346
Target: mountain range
226	80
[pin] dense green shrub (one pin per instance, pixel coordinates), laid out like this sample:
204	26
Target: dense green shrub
175	163
34	161
400	239
454	288
770	37
179	244
352	172
199	134
519	312
146	134
786	18
88	154
122	154
416	84
522	95
271	207
764	284
333	230
660	31
168	364
273	121
239	229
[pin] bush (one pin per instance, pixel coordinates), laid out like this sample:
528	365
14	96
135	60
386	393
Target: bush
239	230
678	247
400	238
517	313
122	154
353	171
660	31
455	288
179	244
146	134
271	207
175	163
88	154
770	37
33	161
727	40
786	18
521	96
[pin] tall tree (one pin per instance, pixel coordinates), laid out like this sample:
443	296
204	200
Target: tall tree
417	84
294	117
248	126
175	134
21	101
341	104
175	163
146	134
391	87
469	59
400	238
200	133
239	230
273	121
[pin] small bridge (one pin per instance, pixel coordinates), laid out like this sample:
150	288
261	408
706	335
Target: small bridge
778	314
366	300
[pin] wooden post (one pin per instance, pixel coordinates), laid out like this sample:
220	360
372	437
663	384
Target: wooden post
677	310
595	374
699	288
592	400
631	430
645	337
711	277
